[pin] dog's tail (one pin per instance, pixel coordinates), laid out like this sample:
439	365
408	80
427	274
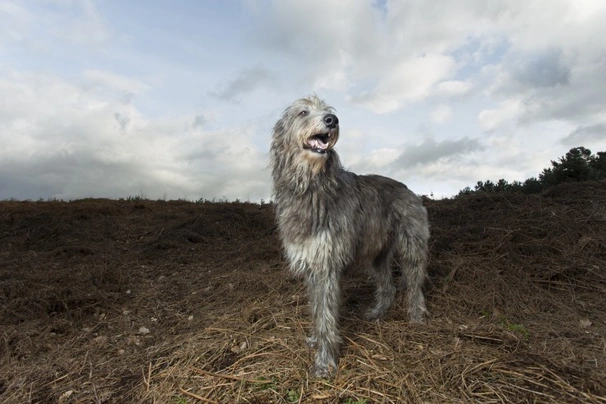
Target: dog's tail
414	257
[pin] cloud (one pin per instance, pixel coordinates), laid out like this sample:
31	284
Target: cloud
574	96
15	18
76	23
431	151
199	121
63	140
246	82
508	112
315	30
88	28
583	134
105	80
411	80
544	68
552	73
322	45
529	74
441	114
452	88
387	58
524	77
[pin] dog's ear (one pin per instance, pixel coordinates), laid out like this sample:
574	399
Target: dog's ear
279	127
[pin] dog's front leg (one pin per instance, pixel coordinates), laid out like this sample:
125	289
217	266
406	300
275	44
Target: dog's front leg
324	291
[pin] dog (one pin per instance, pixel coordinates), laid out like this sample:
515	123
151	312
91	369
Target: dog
330	219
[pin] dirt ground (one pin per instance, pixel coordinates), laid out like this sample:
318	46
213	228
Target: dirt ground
178	302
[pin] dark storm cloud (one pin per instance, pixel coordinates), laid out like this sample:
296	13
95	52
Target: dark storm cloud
248	81
584	134
430	151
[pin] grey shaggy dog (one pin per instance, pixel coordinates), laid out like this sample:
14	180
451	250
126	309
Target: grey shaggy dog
331	219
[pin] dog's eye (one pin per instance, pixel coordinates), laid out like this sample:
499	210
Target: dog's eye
304	113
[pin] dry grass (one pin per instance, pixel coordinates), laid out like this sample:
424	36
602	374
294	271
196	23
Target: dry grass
175	302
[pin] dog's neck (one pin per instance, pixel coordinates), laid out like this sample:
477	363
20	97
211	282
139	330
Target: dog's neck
297	174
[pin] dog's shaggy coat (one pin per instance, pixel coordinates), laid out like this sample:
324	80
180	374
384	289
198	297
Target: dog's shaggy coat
330	219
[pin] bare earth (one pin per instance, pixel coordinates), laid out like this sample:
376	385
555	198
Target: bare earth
179	302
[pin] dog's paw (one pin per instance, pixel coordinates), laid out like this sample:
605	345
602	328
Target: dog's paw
418	317
321	371
374	315
324	367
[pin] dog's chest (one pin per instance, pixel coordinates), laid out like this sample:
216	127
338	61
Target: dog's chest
310	252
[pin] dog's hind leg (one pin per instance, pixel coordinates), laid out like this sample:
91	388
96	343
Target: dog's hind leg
414	273
325	298
386	290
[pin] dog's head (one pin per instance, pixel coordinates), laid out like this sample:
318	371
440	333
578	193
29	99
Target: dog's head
309	127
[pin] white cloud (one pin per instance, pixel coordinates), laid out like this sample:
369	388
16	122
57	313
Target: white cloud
409	81
70	142
507	112
13	20
42	26
452	88
106	80
377	161
441	114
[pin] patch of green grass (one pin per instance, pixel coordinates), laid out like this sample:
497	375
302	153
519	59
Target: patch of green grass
137	198
264	383
518	328
350	400
180	400
292	396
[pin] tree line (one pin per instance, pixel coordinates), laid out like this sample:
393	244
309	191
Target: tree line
579	164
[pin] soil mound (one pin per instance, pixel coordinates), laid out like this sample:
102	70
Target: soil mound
179	302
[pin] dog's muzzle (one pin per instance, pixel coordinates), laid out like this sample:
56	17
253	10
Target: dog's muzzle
320	142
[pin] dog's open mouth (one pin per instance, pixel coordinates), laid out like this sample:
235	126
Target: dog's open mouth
319	143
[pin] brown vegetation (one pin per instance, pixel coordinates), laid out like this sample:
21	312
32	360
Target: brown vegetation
177	302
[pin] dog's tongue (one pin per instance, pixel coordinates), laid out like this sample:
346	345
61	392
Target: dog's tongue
317	143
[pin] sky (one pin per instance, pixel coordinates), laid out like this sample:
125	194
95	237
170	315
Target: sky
177	99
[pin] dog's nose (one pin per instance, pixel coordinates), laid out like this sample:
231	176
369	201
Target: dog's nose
331	120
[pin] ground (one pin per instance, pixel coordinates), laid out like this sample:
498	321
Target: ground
139	301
